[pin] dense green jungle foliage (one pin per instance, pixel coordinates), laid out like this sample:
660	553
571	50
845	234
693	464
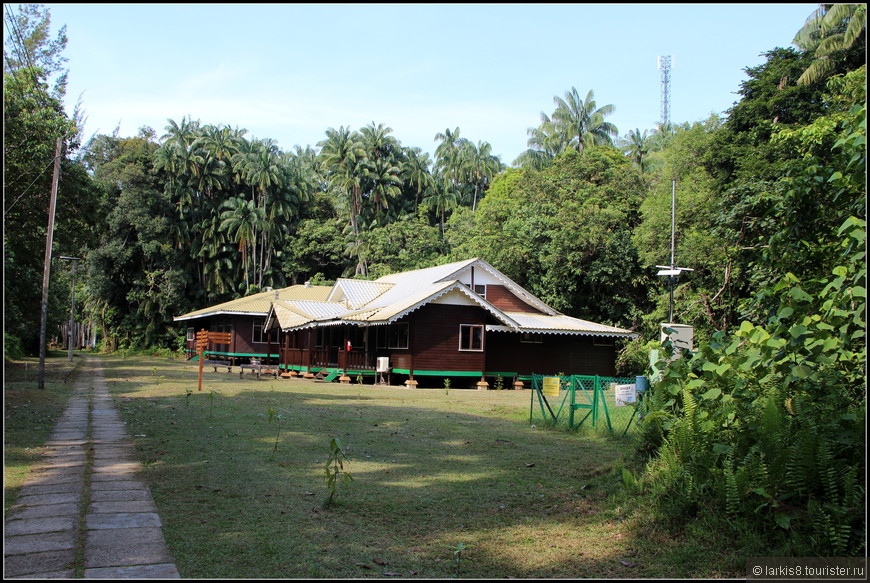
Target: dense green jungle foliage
762	425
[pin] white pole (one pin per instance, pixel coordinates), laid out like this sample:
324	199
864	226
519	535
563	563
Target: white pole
673	220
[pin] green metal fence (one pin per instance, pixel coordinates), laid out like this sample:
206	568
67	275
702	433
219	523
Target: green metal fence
606	403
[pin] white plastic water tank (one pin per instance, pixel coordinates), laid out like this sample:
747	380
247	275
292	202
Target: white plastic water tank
383	364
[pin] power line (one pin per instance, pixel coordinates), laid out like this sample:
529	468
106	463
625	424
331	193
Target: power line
6	210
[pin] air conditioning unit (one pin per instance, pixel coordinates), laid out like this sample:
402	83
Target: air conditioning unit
383	364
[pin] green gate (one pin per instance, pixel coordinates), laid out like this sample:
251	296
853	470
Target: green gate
609	403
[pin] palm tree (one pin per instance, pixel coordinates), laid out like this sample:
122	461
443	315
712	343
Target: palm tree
242	219
448	155
222	142
545	143
480	166
416	173
637	146
343	160
580	124
831	29
378	142
442	198
385	181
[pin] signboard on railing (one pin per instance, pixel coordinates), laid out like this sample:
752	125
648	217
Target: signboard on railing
551	386
624	394
203	339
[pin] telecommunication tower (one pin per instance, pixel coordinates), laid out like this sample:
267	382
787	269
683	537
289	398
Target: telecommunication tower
664	64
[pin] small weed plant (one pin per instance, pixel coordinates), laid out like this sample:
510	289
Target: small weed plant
335	471
457	556
275	414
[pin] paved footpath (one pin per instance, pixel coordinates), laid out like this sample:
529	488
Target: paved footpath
84	502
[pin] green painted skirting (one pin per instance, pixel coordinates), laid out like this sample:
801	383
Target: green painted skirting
242	354
438	373
404	371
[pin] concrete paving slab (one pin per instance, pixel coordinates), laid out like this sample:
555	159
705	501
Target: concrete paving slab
164	571
60	488
122	520
70	574
51	561
68	463
56	476
135	554
40	525
123	484
119	495
123	536
39	499
124	506
37	543
116	466
22	512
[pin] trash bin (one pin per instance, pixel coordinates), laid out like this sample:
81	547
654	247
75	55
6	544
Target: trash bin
642	384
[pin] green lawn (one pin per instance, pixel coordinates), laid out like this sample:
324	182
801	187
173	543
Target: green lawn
430	470
29	414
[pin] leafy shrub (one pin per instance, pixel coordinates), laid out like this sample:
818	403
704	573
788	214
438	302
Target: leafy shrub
12	348
768	427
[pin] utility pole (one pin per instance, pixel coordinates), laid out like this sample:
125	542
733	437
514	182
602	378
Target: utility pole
72	308
46	273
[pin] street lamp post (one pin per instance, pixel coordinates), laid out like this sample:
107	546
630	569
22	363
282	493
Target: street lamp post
672	272
72	308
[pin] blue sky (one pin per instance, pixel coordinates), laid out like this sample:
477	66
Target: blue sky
290	71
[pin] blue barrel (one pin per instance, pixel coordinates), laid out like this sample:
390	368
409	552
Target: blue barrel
641	383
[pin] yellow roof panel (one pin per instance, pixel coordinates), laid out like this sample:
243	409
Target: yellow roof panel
261	303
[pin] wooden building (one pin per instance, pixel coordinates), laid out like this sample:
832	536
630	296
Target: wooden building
465	321
245	318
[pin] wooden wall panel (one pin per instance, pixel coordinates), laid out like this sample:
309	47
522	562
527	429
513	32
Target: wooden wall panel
557	353
502	298
435	338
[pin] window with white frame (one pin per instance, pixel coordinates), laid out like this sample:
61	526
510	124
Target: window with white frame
480	290
259	334
471	337
191	334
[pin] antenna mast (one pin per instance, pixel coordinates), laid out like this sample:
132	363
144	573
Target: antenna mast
664	64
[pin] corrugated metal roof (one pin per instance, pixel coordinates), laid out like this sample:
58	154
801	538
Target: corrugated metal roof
319	310
399	300
541	323
261	303
288	317
428	274
356	293
391	297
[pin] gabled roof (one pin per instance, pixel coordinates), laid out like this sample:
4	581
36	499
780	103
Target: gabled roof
260	304
393	296
356	293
